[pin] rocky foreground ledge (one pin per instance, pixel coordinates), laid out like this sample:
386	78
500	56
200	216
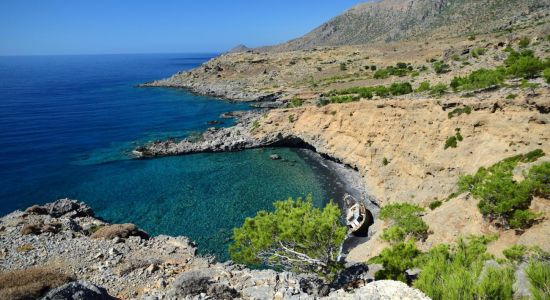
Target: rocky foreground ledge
61	251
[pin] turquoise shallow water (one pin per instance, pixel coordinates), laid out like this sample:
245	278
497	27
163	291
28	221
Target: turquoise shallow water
67	124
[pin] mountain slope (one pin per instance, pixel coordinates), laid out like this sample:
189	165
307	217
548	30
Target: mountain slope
391	20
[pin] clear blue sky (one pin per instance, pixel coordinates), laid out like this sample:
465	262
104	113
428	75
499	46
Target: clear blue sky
29	27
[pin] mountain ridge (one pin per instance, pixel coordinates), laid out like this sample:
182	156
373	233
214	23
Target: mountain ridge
394	20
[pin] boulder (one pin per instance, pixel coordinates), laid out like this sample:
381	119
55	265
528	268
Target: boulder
69	207
380	290
78	290
194	283
275	157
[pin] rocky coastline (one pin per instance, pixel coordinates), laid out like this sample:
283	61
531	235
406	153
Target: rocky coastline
92	259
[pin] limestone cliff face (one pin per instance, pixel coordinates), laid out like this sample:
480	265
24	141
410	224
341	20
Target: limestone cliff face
410	134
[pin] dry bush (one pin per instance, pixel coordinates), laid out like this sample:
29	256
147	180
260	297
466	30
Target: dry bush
40	228
118	230
30	283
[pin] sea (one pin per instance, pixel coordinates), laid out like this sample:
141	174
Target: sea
69	123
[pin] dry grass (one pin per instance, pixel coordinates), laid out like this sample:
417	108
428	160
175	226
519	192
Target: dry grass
118	230
30	283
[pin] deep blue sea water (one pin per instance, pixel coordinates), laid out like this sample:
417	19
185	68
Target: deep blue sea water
67	124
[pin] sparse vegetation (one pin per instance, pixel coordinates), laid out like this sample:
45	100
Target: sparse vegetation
477	52
406	220
424	87
255	125
546	74
296	102
435	204
538	273
459	111
24	248
31	283
296	236
451	142
440	67
343	67
438	90
457	273
524	42
396	260
479	79
502	198
291	118
511	96
524	64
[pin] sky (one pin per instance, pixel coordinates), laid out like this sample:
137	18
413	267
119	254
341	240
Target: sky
38	27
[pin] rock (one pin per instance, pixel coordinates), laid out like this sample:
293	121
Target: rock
380	290
190	283
152	268
65	206
521	284
275	157
412	274
79	290
353	276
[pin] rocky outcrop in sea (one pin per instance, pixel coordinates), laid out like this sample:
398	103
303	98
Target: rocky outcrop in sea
98	260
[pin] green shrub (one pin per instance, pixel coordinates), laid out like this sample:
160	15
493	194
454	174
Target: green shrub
291	118
438	89
451	142
459	136
524	42
296	102
397	89
546	74
524	64
406	222
538	273
477	52
500	196
344	99
385	161
255	125
511	96
515	253
381	74
424	87
459	111
401	65
296	236
496	283
435	204
396	260
373	68
539	179
456	273
381	91
440	67
479	79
